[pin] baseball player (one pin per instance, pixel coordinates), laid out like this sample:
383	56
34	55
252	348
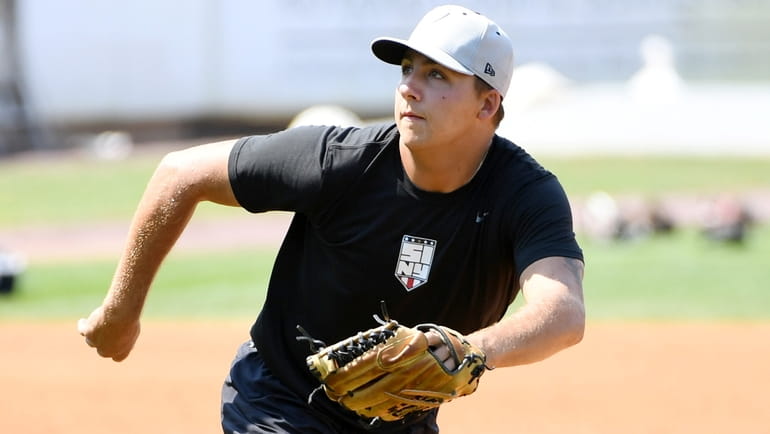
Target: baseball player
434	216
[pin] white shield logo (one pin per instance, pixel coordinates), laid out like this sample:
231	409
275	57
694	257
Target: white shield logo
414	261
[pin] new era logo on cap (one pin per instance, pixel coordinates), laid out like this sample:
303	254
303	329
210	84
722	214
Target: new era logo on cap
489	70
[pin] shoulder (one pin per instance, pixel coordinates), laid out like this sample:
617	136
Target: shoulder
357	145
322	147
537	211
360	136
523	186
515	168
324	135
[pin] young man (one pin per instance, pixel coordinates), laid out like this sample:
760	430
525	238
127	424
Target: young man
436	215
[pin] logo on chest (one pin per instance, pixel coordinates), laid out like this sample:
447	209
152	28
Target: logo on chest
414	261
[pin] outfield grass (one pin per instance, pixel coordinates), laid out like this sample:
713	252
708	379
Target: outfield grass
679	276
70	190
78	190
676	276
224	284
651	176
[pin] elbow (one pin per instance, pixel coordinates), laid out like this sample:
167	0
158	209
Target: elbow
575	323
175	175
575	334
172	163
169	168
569	318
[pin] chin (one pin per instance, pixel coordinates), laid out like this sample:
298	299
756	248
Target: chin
410	137
411	140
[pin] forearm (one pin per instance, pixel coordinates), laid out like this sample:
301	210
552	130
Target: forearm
552	319
181	181
531	334
160	219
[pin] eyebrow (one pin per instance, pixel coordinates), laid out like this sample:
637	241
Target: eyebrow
409	55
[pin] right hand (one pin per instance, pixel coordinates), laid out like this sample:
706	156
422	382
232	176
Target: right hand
440	349
111	337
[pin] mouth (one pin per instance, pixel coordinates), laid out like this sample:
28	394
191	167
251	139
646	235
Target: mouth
411	116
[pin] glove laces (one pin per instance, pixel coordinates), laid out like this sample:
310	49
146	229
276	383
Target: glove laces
355	346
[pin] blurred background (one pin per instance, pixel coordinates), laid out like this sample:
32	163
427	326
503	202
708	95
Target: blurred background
653	114
676	76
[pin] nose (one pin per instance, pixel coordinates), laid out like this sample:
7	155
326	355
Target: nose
409	88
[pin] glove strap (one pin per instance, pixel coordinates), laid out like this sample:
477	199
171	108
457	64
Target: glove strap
315	344
384	310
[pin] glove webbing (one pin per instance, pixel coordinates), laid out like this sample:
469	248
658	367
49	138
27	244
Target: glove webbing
354	347
350	351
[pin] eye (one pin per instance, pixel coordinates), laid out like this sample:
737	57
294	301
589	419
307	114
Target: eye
406	69
435	73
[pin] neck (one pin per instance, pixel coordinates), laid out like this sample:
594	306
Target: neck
443	171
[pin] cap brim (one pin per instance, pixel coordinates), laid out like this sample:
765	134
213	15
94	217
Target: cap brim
391	50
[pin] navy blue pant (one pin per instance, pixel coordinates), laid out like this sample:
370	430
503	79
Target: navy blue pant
255	401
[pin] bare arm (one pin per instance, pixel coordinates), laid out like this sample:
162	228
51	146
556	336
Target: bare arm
552	319
181	181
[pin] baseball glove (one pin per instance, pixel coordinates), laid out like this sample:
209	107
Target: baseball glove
390	371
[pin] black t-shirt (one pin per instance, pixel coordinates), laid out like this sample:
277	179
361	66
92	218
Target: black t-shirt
362	232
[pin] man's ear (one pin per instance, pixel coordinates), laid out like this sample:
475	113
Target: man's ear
490	103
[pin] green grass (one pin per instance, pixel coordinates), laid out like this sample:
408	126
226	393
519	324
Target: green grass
676	276
78	190
224	284
652	176
71	190
681	276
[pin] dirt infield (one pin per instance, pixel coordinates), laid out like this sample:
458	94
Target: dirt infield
623	378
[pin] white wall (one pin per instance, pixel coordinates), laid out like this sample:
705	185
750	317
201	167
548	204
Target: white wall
92	60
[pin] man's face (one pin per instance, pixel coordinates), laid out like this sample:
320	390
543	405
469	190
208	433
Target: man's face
434	106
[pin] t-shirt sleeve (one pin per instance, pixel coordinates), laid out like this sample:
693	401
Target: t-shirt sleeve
543	224
302	168
278	172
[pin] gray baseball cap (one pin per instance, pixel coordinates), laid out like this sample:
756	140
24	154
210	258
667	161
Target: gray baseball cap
461	40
